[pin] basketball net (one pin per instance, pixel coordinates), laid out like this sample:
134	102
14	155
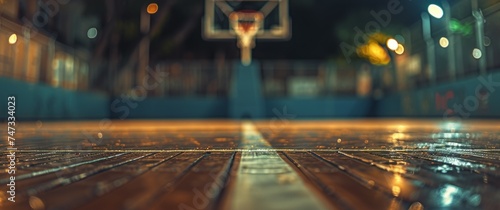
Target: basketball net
246	24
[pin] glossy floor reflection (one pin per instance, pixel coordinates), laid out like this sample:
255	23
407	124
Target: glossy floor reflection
349	164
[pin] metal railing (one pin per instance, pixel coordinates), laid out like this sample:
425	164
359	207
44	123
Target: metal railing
470	47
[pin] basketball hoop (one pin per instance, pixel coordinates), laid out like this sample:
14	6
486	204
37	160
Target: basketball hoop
246	21
246	24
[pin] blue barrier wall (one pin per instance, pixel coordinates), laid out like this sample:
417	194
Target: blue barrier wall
42	102
38	101
218	108
246	99
329	107
468	98
159	108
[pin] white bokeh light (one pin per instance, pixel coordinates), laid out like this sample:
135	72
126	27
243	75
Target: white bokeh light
435	11
476	53
92	33
392	44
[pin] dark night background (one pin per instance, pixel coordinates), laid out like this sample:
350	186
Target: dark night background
316	27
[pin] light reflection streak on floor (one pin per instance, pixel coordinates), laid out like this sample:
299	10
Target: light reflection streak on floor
183	135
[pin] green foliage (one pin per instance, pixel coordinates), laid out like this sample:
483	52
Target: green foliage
460	28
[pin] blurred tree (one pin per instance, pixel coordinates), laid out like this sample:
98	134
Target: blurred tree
121	35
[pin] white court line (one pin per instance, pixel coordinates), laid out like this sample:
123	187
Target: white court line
266	181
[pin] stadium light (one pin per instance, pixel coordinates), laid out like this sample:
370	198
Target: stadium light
436	11
444	42
152	8
12	38
92	33
400	50
392	44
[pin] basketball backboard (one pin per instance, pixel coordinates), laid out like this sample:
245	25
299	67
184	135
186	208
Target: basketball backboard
217	20
246	20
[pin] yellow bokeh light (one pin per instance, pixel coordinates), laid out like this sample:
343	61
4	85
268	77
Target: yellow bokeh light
13	39
379	37
374	52
398	136
392	44
396	190
400	50
444	42
397	178
152	8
